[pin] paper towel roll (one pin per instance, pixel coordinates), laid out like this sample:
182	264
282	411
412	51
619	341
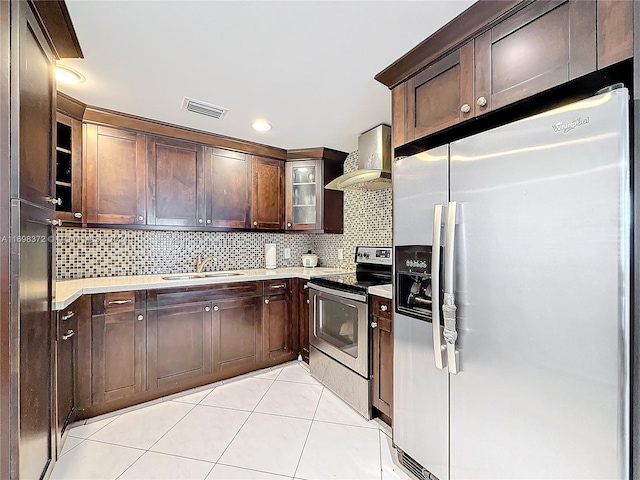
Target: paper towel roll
270	255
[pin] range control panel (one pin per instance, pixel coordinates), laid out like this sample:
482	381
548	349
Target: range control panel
374	255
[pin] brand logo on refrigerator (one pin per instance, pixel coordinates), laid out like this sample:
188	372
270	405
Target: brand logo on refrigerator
566	127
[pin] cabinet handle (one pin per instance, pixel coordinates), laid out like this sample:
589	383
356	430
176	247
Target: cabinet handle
70	333
384	308
283	285
374	324
482	102
69	314
141	218
200	220
55	223
208	220
306	286
140	317
266	300
207	309
465	108
77	215
119	302
255	224
55	201
216	308
288	225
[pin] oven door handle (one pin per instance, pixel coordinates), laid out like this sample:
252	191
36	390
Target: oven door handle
339	293
438	347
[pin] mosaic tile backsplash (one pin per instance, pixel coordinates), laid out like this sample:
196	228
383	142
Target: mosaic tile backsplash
98	252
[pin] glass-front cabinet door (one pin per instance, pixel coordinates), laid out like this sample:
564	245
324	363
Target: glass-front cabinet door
304	189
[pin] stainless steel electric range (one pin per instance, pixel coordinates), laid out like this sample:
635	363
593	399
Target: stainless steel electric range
340	334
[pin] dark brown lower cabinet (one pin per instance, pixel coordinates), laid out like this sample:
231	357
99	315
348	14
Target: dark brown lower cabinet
382	377
118	346
66	362
278	328
178	344
303	318
237	335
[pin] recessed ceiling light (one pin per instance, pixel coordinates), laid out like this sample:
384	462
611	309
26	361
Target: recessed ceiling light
68	75
261	125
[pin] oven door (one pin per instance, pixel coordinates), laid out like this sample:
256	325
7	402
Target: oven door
340	327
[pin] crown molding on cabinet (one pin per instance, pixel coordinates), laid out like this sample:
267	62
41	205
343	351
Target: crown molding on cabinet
56	22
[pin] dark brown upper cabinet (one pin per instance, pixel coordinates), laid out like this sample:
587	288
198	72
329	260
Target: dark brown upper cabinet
114	176
615	31
541	46
68	170
175	183
33	179
441	95
228	185
309	207
267	192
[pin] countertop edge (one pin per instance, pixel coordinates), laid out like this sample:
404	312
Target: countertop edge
383	291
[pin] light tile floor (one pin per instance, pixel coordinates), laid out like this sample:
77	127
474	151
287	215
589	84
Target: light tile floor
274	424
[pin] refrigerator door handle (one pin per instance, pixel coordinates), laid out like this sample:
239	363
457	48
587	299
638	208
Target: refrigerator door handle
449	305
435	287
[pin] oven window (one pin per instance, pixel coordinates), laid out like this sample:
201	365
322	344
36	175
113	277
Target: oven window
338	325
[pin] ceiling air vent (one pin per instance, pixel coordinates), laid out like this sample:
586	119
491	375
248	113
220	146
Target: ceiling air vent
197	106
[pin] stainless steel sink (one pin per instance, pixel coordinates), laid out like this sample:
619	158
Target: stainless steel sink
182	277
221	274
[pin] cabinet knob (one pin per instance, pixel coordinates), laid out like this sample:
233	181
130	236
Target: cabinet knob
141	218
465	108
77	215
266	300
207	309
200	220
55	223
255	224
70	333
383	308
482	102
208	220
140	318
374	324
288	225
307	300
216	308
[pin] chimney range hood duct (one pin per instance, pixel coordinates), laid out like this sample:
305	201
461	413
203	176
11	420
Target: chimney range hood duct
374	163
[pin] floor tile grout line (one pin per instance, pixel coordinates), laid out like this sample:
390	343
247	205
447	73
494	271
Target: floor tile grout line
380	451
168	455
115	417
252	469
345	424
174	425
308	432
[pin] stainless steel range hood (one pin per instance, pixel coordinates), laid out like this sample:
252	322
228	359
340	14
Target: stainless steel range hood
374	163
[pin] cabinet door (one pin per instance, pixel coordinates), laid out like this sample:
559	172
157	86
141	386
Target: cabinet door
114	176
66	361
382	377
541	46
304	320
441	95
175	189
118	355
68	171
615	31
228	189
33	178
304	188
267	205
277	328
178	344
237	335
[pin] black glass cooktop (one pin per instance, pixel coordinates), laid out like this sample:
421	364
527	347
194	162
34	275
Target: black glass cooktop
352	281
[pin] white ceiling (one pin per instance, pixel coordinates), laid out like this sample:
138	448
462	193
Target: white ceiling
305	66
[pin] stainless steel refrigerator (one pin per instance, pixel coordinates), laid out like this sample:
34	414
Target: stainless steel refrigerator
523	371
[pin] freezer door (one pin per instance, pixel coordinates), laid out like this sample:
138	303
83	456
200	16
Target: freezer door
542	290
420	390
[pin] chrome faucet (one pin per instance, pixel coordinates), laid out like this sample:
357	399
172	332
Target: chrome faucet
200	263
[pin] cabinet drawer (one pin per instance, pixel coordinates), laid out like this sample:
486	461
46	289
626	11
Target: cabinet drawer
381	307
274	287
116	302
175	296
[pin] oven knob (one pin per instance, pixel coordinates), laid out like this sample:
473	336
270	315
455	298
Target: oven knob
366	255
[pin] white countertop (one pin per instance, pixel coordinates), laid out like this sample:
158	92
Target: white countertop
382	291
66	291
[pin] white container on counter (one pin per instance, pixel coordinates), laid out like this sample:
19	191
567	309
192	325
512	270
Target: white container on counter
270	259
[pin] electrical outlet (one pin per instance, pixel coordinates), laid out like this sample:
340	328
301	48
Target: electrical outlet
287	252
340	254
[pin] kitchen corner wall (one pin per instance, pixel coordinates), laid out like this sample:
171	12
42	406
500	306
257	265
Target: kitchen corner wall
99	252
367	221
